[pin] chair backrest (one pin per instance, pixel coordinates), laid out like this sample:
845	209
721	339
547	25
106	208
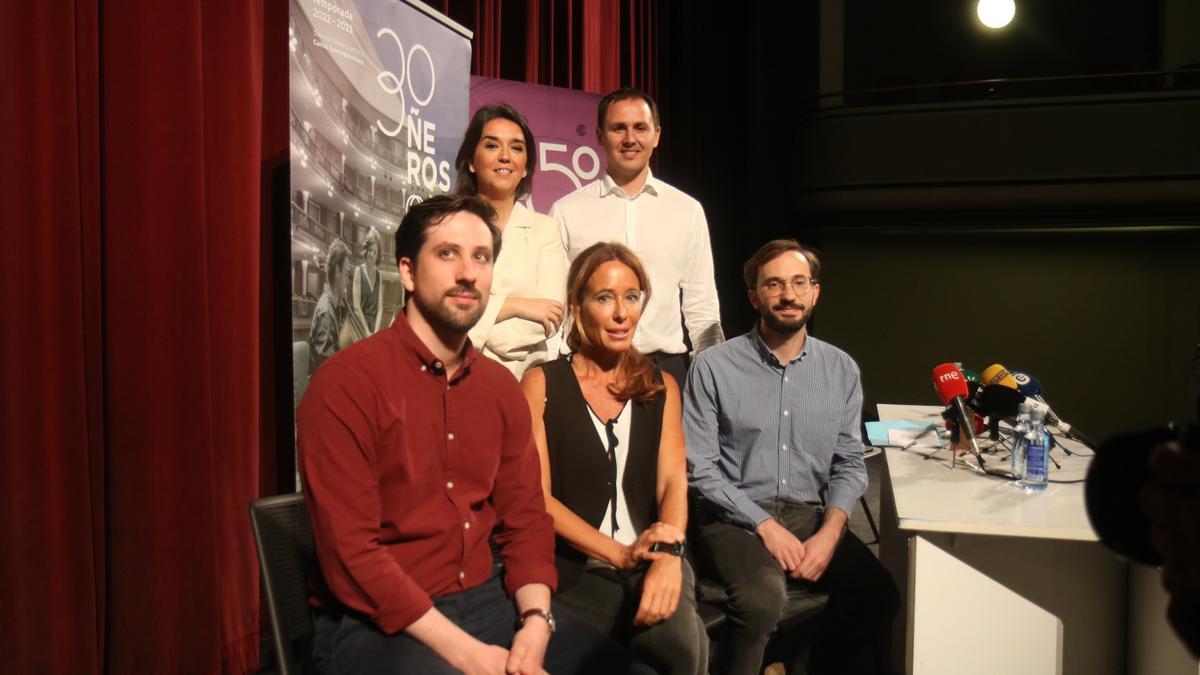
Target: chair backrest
286	557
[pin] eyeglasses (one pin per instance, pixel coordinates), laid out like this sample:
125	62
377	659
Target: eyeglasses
798	284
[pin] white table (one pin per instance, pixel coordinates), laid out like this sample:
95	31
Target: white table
932	497
1000	581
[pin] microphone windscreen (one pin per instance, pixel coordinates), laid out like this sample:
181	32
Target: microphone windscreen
949	382
1026	383
999	401
998	374
971	375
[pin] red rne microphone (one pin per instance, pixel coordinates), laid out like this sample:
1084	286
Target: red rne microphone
951	387
948	382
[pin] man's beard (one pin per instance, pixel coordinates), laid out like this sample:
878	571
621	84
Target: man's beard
441	313
782	325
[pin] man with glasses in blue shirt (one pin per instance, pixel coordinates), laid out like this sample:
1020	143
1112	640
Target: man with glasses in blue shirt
772	422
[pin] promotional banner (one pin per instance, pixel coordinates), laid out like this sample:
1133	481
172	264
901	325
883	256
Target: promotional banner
564	123
378	109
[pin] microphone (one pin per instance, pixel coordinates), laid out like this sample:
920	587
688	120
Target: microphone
997	401
1030	386
951	388
1027	384
997	374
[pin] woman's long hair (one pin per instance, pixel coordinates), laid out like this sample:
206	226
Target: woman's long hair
635	373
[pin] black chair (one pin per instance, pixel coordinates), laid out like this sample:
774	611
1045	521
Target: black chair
287	558
869	451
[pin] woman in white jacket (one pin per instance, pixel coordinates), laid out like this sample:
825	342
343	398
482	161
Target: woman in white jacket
497	161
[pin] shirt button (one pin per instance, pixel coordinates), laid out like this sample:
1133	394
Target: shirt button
437	364
450	436
423	368
466	526
785	413
785	379
462	575
449	485
783	482
784	446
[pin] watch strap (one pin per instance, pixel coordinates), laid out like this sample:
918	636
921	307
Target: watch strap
544	613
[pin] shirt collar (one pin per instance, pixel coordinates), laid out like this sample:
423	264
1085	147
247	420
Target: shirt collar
768	356
420	355
609	186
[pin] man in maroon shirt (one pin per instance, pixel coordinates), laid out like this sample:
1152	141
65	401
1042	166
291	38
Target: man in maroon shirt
414	450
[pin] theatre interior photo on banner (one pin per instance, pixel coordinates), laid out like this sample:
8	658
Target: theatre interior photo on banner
360	157
601	337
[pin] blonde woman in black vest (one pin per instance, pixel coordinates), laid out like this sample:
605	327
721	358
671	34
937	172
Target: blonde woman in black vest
608	428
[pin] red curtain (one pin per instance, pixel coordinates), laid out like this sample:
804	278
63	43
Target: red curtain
593	45
52	477
136	396
131	373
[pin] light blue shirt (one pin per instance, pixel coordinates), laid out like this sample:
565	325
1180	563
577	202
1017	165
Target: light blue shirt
761	431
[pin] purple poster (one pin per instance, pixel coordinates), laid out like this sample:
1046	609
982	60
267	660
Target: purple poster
378	108
563	122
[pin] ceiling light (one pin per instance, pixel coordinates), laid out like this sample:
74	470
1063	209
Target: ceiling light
996	13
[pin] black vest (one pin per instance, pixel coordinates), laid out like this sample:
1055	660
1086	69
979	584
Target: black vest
579	461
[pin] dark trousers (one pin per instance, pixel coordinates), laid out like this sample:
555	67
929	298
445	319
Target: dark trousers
852	635
675	364
350	643
608	599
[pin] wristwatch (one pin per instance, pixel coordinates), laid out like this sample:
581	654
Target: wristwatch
674	549
544	613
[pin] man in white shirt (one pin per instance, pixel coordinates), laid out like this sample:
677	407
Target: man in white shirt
664	226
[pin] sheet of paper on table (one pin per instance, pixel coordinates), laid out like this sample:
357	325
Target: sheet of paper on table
924	437
879	433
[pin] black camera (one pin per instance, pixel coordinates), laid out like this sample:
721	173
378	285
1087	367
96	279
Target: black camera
1118	473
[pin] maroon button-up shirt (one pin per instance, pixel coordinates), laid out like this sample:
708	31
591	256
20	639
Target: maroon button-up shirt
407	473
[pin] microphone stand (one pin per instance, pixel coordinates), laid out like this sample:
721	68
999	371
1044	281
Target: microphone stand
956	411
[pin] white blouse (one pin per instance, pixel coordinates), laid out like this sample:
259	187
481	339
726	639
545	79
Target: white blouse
532	264
625	532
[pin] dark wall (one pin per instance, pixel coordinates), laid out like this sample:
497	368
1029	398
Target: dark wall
735	80
1107	321
935	41
1040	276
1127	159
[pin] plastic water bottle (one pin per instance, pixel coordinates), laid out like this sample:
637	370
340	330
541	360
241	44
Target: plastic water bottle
1037	454
1020	442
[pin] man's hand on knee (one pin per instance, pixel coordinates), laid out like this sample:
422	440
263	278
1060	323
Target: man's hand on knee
819	549
529	649
787	550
